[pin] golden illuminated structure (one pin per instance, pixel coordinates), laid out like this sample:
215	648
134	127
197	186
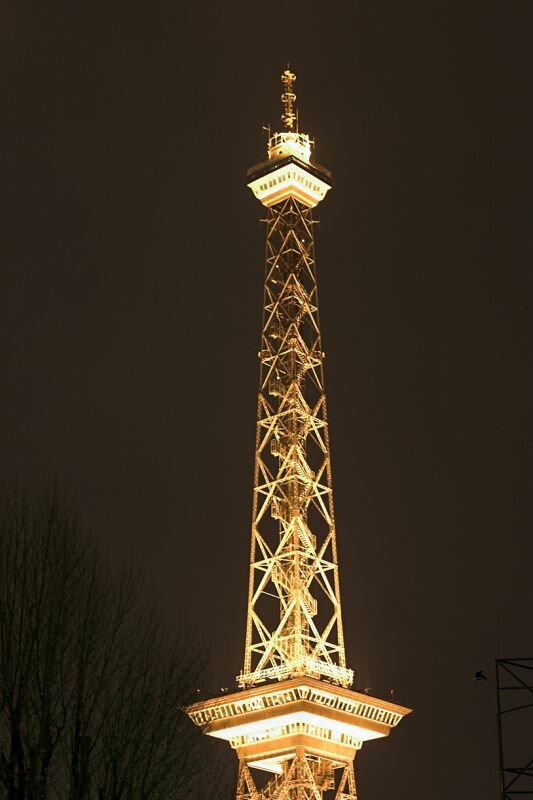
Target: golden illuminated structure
295	716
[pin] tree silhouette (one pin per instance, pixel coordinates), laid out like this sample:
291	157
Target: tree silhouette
91	685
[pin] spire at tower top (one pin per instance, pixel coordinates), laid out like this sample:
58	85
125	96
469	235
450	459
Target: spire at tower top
288	97
289	141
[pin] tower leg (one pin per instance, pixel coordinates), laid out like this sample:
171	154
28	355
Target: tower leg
347	790
245	784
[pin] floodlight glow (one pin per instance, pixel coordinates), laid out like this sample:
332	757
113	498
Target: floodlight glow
265	727
289	180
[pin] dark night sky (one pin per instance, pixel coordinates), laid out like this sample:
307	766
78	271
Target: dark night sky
130	306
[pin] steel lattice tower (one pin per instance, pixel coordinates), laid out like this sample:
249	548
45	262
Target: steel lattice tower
295	716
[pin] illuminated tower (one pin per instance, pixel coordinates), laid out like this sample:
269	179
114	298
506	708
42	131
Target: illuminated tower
295	716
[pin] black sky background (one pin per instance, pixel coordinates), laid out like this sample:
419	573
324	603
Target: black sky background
130	307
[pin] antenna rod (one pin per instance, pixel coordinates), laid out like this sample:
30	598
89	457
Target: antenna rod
288	97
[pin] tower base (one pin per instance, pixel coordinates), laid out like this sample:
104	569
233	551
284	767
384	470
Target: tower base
302	778
304	731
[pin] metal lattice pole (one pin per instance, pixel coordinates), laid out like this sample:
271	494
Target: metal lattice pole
293	555
295	717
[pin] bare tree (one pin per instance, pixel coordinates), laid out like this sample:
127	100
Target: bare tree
90	683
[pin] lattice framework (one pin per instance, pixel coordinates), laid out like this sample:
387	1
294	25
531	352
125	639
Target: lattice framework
294	623
302	778
295	718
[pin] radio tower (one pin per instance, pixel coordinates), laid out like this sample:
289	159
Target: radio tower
295	717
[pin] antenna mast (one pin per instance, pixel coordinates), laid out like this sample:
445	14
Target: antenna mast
288	97
295	716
